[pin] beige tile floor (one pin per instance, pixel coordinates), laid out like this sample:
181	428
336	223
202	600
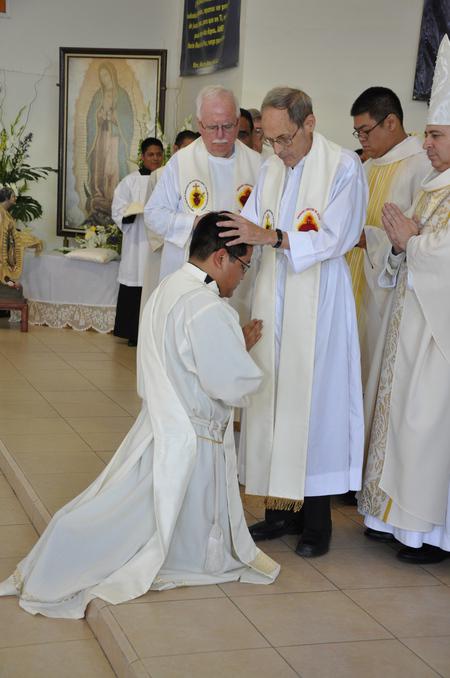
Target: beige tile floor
66	401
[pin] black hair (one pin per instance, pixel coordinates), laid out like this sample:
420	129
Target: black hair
378	102
206	240
184	135
5	193
151	141
248	116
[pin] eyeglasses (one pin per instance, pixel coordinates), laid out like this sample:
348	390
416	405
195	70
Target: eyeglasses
284	140
243	134
226	128
243	263
358	133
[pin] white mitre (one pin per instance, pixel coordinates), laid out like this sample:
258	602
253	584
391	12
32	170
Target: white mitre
439	111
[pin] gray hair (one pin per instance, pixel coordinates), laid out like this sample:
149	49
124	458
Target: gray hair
212	92
297	103
256	115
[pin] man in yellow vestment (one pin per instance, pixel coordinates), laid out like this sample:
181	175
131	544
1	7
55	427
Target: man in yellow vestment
405	493
396	166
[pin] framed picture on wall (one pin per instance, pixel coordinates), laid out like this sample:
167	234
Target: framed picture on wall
109	101
4	9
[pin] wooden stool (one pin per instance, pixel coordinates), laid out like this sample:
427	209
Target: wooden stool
17	305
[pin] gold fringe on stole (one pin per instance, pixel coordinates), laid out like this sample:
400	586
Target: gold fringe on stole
283	504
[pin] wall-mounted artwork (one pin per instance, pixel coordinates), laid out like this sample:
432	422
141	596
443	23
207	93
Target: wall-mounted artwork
109	101
4	9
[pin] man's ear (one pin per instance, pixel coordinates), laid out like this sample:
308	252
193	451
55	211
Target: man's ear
218	257
391	122
309	123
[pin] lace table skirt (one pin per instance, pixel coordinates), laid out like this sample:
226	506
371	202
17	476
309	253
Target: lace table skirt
78	316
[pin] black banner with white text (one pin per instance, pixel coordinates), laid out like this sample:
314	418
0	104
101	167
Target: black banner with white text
210	36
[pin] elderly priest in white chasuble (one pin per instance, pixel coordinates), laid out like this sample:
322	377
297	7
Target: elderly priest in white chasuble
215	172
303	436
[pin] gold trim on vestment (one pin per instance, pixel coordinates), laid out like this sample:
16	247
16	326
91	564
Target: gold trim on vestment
387	511
380	182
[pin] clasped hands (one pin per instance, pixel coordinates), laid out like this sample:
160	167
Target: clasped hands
399	229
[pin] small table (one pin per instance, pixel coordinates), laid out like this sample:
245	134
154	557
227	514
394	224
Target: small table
69	292
16	303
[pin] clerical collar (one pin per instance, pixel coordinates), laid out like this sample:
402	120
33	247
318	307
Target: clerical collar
200	273
144	171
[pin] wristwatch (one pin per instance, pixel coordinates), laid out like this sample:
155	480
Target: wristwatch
279	233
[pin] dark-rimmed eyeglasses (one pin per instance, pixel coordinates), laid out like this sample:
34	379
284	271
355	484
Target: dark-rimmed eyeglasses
226	128
358	133
243	263
284	140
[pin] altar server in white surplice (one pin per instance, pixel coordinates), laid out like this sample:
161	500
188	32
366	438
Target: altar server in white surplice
127	209
216	172
166	511
303	437
405	493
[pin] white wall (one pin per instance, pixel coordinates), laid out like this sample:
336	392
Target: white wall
29	47
333	49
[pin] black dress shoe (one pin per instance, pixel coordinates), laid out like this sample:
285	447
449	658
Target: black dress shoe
425	555
313	544
377	535
349	498
271	530
132	342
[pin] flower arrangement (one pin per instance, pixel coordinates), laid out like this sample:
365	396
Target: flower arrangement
108	236
15	170
149	129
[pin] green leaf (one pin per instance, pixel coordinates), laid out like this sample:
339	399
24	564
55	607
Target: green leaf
26	209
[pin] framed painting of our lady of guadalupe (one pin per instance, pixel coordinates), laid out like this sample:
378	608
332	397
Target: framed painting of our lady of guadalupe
109	101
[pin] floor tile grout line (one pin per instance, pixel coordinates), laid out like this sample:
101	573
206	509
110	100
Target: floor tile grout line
369	613
53	642
422	658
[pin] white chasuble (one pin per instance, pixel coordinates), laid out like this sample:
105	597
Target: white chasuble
130	196
166	510
193	183
303	433
406	482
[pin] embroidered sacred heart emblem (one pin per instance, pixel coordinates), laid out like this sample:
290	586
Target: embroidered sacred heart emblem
308	220
268	220
196	195
243	194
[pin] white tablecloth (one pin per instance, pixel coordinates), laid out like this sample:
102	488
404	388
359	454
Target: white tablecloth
62	291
